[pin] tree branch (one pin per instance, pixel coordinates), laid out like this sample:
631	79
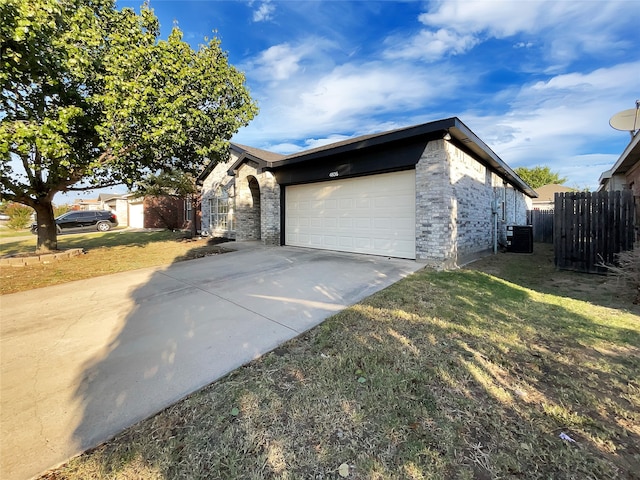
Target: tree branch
92	187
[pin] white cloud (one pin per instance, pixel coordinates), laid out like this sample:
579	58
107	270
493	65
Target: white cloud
367	88
284	148
344	99
264	12
502	18
563	123
321	142
281	62
312	92
567	27
429	45
278	62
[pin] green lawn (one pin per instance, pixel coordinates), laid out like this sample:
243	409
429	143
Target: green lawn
7	232
463	374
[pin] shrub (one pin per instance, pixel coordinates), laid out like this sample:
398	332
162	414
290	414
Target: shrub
60	209
627	268
19	216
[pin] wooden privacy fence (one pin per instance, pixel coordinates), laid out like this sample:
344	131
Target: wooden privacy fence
591	227
542	223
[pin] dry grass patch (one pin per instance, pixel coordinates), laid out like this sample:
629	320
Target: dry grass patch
106	253
444	375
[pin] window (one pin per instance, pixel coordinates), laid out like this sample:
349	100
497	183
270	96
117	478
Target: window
187	209
221	208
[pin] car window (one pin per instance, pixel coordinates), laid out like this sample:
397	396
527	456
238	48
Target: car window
66	216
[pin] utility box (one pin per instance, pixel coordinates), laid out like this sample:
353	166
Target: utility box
520	238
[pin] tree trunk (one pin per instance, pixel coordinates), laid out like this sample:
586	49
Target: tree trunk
47	232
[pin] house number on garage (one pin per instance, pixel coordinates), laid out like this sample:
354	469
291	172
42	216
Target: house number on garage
333	174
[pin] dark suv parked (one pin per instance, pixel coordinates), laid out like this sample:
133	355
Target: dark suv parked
82	220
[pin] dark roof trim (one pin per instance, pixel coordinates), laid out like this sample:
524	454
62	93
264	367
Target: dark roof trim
460	134
365	141
261	157
470	140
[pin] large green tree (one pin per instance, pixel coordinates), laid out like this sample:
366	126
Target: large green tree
536	177
92	97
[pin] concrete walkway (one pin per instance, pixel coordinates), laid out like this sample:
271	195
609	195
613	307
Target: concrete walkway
84	360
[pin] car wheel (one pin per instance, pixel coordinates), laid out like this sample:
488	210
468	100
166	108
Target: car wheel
104	226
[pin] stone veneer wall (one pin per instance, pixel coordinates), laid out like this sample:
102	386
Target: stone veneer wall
270	201
217	178
250	223
248	217
454	198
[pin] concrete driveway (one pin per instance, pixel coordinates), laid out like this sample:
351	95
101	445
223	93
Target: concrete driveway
82	361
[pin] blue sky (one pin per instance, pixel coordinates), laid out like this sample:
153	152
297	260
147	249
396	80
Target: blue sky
536	80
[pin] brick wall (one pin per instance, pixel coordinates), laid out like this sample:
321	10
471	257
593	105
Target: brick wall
454	198
163	212
270	201
433	205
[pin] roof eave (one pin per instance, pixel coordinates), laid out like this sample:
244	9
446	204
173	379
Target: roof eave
629	157
368	142
262	164
464	135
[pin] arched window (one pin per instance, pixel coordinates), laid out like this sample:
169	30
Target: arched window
221	208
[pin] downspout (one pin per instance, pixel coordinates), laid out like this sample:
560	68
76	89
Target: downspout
494	212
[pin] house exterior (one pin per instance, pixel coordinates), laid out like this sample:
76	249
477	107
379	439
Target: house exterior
432	192
164	211
547	195
625	175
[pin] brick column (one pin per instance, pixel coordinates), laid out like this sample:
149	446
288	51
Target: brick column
434	207
270	215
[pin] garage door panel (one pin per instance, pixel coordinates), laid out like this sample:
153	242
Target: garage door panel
374	214
346	242
330	222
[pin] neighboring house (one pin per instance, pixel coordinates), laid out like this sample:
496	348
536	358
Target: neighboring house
625	175
432	192
148	212
547	195
86	204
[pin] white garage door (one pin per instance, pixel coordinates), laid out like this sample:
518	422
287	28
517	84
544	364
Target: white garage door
373	214
136	215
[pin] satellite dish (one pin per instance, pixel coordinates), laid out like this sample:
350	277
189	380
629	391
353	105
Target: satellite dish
627	120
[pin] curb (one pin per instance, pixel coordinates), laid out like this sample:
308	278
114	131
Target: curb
36	259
